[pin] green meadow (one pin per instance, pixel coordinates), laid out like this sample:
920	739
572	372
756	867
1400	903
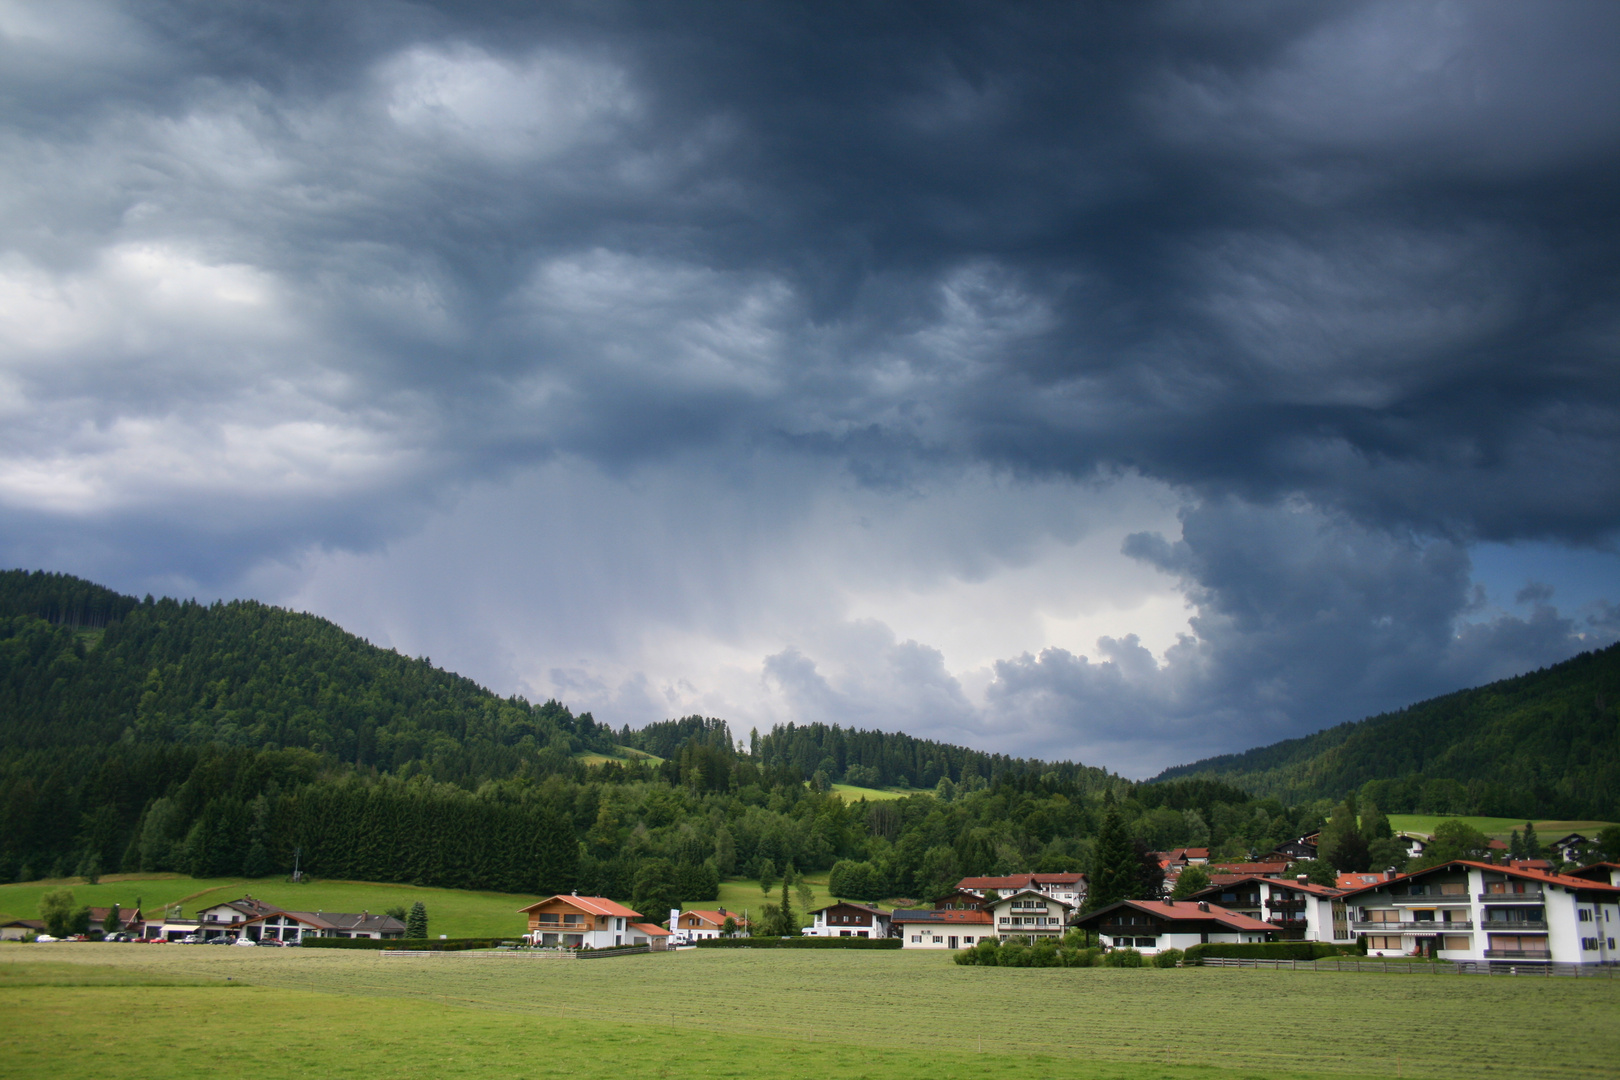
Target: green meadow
1499	827
133	1011
452	912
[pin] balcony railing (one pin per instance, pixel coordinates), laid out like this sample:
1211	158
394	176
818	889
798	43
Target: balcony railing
1290	924
1517	954
1430	899
1427	926
1508	926
1529	896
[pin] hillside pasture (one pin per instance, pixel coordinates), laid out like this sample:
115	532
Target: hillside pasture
785	1014
454	912
851	793
1498	827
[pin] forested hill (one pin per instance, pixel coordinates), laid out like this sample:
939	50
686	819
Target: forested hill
236	737
1546	743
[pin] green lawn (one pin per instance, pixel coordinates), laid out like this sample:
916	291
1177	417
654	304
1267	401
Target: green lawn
705	1013
1499	827
624	753
450	911
851	793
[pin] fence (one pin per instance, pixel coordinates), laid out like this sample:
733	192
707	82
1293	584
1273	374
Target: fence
1400	967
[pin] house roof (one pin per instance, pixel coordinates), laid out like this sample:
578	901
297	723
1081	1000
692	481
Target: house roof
1183	911
1180	853
595	905
1542	876
649	929
860	907
1356	881
126	916
717	918
1277	883
1598	871
328	920
247	905
1021	881
30	924
945	917
1005	897
1255	869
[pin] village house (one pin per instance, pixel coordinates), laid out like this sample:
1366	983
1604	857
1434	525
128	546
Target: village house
1069	888
1295	910
18	929
1348	881
1607	873
1153	926
1477	911
845	919
1223	872
1029	913
259	921
572	921
696	925
1570	848
943	928
653	936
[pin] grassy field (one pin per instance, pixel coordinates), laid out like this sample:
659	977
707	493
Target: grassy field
851	793
1499	827
771	1014
623	753
450	911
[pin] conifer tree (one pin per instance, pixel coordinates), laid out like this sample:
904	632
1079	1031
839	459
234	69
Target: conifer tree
1115	866
416	924
1532	846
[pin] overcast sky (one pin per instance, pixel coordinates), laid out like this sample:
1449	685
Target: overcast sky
1124	383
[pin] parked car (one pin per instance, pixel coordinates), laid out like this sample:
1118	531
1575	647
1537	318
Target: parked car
46	937
244	941
190	939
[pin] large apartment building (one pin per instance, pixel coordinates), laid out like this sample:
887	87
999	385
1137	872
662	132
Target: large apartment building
1296	910
1476	911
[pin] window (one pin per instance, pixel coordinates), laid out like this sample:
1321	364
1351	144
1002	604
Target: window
938	939
967	941
1589	944
1384	941
916	939
1456	942
1583	914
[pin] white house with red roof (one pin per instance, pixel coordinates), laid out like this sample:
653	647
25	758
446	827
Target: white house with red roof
1296	910
1153	926
1069	888
698	924
571	921
1030	913
1474	911
943	928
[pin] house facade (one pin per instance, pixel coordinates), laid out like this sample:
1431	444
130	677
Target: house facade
653	936
1295	910
845	919
696	925
1476	911
571	921
1153	926
1030	913
943	928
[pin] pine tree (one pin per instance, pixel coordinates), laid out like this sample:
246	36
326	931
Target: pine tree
1515	845
1114	867
1532	846
416	924
790	925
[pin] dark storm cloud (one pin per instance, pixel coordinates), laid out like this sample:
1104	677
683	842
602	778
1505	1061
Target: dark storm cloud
284	277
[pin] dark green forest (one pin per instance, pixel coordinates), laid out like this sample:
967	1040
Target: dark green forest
241	738
1544	744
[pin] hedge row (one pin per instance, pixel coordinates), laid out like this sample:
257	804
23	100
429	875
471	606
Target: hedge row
407	944
1270	950
799	943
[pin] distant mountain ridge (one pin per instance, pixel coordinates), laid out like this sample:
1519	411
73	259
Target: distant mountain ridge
1547	742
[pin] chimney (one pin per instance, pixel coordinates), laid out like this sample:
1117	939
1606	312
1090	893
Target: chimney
1169	901
1203	905
1303	879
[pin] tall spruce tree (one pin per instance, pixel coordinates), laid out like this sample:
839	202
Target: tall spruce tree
1532	846
416	923
1115	867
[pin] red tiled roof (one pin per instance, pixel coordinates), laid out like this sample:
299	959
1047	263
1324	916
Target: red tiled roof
717	918
1281	883
1356	881
1511	871
649	929
596	905
1255	868
1185	911
932	915
1020	881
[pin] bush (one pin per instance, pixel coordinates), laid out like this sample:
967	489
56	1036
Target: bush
407	944
800	943
1269	950
1169	958
1122	958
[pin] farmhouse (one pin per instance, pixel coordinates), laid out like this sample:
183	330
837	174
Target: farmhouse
845	919
1296	910
1152	926
1029	913
17	929
1570	848
1469	910
573	922
1069	888
943	928
694	925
